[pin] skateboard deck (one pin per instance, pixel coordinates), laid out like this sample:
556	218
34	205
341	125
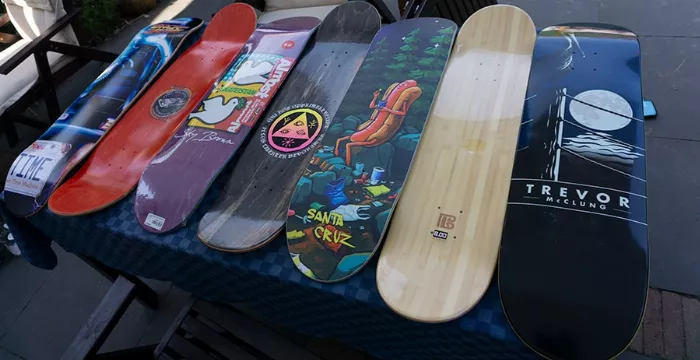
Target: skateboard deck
115	166
342	203
42	166
449	221
253	208
217	126
573	266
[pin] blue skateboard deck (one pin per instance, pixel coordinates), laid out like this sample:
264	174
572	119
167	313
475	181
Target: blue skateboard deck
40	168
574	260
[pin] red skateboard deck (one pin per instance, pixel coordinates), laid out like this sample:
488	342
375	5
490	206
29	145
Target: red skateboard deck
116	165
41	167
178	177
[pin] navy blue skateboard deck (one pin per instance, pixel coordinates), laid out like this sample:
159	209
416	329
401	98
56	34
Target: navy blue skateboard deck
573	267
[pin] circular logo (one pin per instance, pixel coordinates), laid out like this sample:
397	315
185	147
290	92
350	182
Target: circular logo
288	44
170	102
295	129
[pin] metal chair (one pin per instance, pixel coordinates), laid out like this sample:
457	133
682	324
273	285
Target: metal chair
45	54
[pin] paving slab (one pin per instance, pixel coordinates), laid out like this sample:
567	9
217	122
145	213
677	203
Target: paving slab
137	319
637	344
546	13
57	311
673	216
653	17
674	340
670	78
170	305
628	355
691	321
20	282
6	355
653	324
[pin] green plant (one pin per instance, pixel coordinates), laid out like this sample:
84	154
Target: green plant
99	19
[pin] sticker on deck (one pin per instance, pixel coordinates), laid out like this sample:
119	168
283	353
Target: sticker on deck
33	166
241	95
154	221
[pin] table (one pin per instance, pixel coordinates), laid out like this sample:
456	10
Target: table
268	283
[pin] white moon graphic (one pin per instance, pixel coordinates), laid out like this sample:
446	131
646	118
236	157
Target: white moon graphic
597	119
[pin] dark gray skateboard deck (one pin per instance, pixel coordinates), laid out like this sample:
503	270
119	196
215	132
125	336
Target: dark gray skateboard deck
214	131
342	203
253	208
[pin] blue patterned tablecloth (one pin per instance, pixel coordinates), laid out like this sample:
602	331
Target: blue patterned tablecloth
268	282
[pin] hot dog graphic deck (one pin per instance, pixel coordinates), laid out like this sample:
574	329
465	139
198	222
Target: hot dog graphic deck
343	201
116	164
448	223
253	207
177	178
573	269
41	167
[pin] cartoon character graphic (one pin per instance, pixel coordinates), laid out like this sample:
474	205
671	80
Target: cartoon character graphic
214	110
388	115
252	73
245	79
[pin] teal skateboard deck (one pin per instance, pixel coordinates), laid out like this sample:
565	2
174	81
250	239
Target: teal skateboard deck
343	201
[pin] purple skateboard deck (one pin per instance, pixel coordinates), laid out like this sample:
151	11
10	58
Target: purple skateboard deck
177	178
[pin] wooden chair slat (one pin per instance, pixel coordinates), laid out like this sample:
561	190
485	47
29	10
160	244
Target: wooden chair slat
186	349
254	333
214	340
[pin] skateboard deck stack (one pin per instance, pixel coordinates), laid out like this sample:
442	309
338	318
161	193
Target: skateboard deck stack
342	203
448	223
253	207
218	125
116	164
42	166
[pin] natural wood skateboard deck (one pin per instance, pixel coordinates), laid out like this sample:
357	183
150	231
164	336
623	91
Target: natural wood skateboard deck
115	166
440	251
343	202
216	128
253	207
573	269
41	167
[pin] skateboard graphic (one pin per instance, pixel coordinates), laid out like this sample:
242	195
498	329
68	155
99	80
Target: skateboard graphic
573	265
449	221
253	207
42	166
342	203
116	164
215	129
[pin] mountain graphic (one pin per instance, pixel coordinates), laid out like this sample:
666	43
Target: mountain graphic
602	147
